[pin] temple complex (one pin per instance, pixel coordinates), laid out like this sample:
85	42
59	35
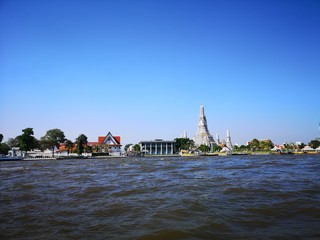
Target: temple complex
203	136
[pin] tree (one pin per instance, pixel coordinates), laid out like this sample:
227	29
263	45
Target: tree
184	143
88	149
52	139
254	145
26	140
136	148
127	146
13	142
314	143
243	148
289	146
301	145
216	148
81	142
69	145
236	148
204	148
266	145
4	148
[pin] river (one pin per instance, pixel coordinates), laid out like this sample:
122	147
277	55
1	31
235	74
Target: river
235	197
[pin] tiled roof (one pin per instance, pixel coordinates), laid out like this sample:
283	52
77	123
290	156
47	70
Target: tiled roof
101	139
117	138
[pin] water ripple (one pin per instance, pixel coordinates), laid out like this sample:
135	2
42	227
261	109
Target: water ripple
238	197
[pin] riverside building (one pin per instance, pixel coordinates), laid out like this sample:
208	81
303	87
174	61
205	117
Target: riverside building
158	147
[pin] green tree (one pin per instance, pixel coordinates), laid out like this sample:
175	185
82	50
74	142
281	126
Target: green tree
301	145
216	148
13	142
136	148
81	142
236	148
204	148
289	146
127	146
69	145
26	140
88	149
243	148
266	145
314	143
184	143
4	148
254	145
52	139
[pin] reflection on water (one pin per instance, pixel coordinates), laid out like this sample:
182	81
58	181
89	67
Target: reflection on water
237	197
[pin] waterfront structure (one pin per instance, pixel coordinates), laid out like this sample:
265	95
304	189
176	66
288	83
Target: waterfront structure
203	136
158	147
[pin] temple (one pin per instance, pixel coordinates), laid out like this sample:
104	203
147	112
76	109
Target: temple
203	136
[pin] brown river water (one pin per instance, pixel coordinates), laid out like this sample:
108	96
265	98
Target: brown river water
236	197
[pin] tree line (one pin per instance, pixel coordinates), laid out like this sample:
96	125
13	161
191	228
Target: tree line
252	146
51	140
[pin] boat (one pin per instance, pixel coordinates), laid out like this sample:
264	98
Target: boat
185	153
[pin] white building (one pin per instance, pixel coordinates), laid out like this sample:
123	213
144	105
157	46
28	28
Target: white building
158	147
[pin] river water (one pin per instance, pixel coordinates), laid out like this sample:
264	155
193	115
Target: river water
236	197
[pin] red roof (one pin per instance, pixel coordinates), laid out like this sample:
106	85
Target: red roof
117	138
101	139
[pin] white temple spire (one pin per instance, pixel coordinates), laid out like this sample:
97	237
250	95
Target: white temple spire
203	135
228	141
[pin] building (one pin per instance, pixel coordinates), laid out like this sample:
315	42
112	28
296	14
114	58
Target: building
108	144
158	147
203	136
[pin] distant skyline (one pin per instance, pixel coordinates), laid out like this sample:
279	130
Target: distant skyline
141	69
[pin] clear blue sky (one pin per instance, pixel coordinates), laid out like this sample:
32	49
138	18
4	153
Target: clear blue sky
141	69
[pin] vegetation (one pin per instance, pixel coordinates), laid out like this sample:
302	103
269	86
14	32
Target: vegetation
13	142
27	141
127	146
4	148
256	145
216	148
184	144
136	148
314	143
52	139
81	142
69	145
204	148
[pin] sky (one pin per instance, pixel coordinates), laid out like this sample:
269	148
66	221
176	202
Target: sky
141	69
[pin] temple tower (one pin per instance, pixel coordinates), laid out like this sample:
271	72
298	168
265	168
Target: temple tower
228	141
217	139
203	135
